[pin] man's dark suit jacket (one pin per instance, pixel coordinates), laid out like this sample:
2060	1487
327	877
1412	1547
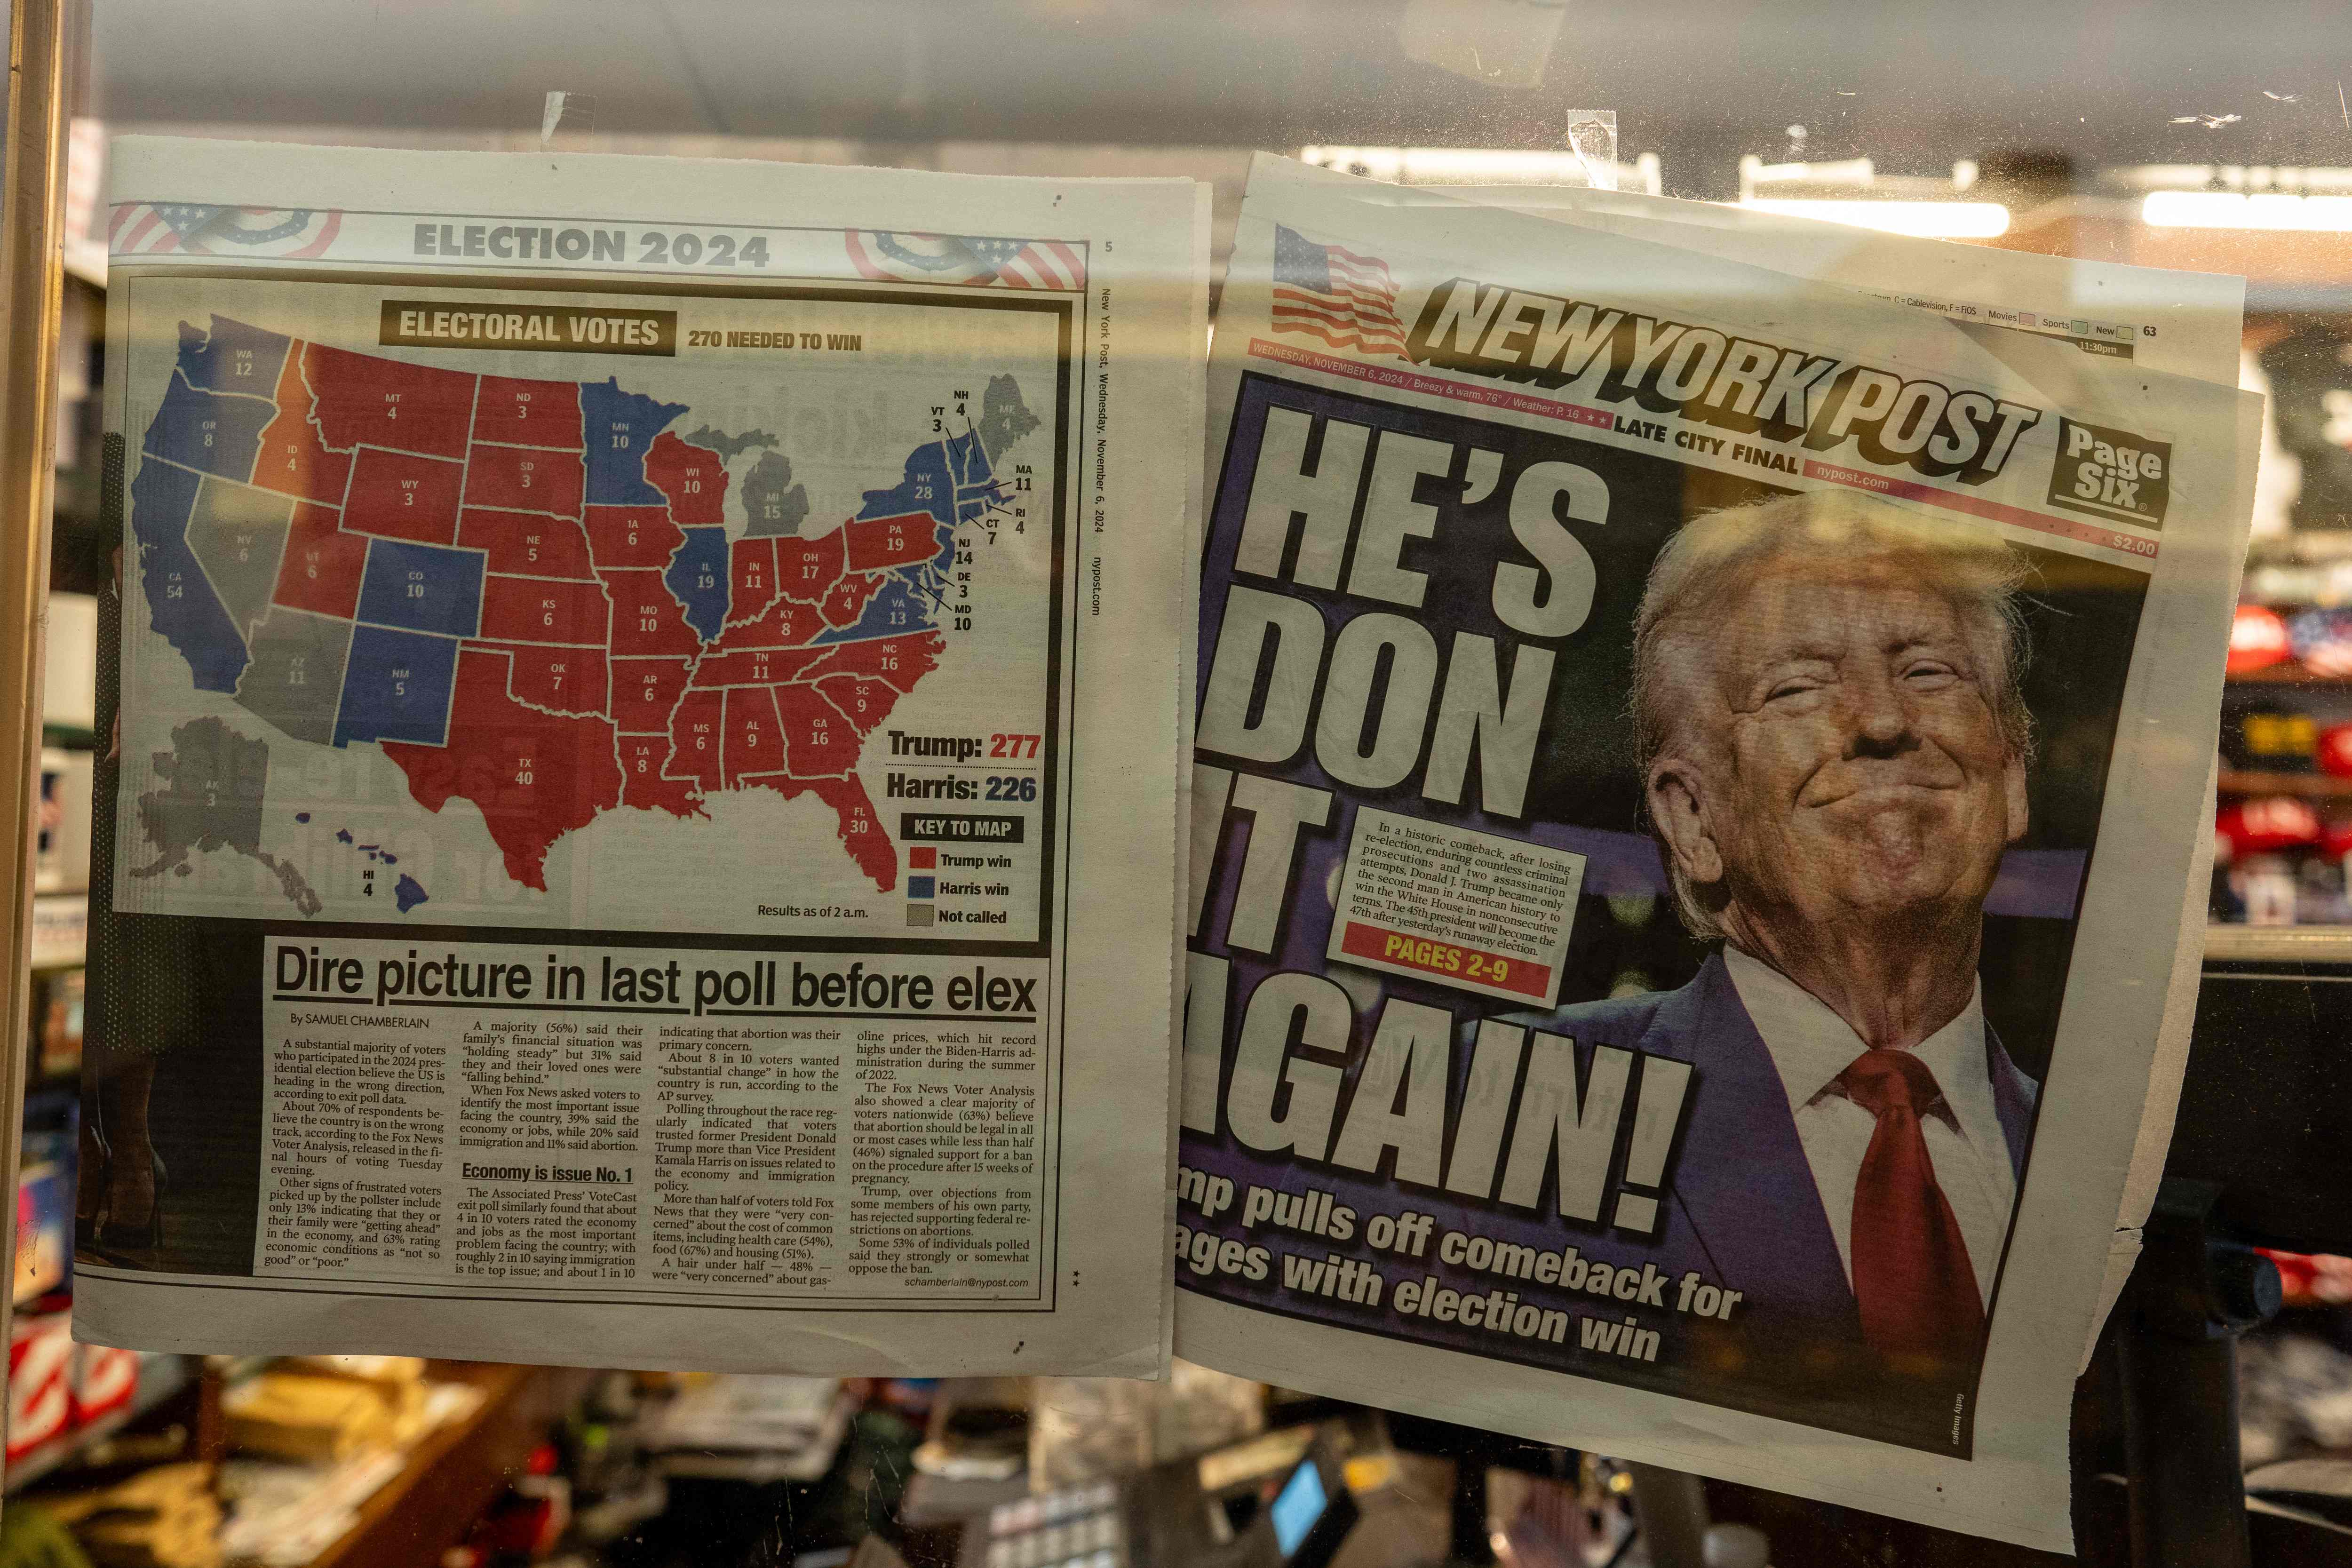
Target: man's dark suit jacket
1744	1206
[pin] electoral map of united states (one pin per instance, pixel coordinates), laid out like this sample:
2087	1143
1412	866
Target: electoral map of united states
524	591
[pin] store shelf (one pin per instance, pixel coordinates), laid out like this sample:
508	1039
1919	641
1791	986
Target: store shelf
2278	944
2286	675
454	1473
160	1377
2319	786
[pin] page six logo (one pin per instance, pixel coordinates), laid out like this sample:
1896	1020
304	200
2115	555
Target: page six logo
2111	473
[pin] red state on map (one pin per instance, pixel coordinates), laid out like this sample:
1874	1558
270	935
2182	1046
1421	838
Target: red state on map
646	618
860	827
366	400
320	570
534	776
807	568
845	600
525	479
531	609
756	666
569	680
526	543
900	661
863	700
753	741
403	496
642	784
529	413
692	477
856	820
694	730
632	536
877	542
646	689
818	742
784	624
750	578
292	461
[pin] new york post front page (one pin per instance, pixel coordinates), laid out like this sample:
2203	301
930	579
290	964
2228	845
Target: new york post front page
1696	772
2155	318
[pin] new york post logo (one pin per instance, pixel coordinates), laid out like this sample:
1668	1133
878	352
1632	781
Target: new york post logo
2111	473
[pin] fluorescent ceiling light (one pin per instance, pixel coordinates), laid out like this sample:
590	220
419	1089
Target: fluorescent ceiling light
1458	165
1923	220
2264	210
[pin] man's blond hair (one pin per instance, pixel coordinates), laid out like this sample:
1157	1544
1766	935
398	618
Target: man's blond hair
1709	565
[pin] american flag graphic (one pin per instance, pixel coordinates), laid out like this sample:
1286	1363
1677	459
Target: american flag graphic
1345	299
967	259
190	228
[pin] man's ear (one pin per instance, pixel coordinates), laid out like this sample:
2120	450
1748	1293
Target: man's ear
2012	784
1678	805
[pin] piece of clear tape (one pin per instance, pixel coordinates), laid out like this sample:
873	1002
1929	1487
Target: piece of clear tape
1592	136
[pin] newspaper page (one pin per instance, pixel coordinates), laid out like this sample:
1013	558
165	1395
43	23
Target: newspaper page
1696	770
2187	322
2157	318
645	818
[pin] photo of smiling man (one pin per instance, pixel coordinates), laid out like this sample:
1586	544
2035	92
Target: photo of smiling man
1834	746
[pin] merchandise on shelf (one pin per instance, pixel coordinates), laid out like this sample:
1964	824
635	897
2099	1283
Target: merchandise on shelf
40	1379
2322	640
2268	825
105	1379
56	1022
2312	1279
167	1515
2334	751
2324	582
57	1387
45	1204
60	929
61	848
2284	826
2310	375
318	1417
2276	861
69	700
399	1373
2273	738
529	1520
2297	1396
2258	639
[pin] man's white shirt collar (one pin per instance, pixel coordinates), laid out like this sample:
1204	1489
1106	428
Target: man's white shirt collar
1810	1046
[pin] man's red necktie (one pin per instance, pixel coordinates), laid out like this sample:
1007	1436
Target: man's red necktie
1911	1272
